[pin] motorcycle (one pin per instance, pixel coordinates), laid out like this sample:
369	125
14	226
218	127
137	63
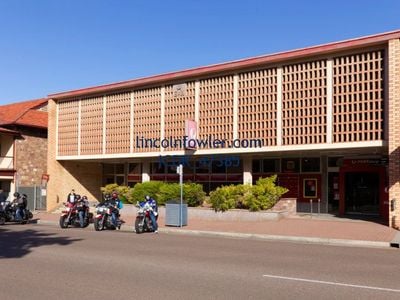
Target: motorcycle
103	219
70	215
8	213
143	221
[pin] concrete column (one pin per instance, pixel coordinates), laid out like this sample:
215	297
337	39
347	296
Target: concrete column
247	170
279	107
197	105
324	184
162	118
131	124
393	101
79	125
235	106
329	101
145	171
104	123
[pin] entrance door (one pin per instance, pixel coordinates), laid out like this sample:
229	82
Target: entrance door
362	193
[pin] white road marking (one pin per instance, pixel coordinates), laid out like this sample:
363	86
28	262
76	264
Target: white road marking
333	283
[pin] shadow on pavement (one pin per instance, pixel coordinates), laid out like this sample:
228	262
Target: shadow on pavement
15	244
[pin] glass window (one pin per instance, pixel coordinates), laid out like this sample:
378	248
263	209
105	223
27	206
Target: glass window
290	165
119	169
256	167
218	166
234	165
157	168
310	164
335	161
203	165
108	168
135	168
271	165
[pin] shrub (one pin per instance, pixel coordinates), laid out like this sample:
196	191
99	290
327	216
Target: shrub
168	191
140	190
263	195
226	197
193	193
122	190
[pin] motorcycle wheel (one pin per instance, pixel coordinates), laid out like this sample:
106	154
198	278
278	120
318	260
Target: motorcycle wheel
2	220
63	223
97	225
138	227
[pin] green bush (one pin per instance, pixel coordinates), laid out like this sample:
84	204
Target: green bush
193	193
226	197
263	195
168	191
140	190
122	190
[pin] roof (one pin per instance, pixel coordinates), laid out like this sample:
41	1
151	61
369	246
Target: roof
24	113
232	66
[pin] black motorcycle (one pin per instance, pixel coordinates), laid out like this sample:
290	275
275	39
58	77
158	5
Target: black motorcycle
8	213
103	218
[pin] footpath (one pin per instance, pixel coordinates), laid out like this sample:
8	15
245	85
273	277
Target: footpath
322	229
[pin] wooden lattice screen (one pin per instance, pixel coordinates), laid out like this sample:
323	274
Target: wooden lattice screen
118	107
258	106
147	116
178	108
92	125
216	108
68	127
304	103
358	97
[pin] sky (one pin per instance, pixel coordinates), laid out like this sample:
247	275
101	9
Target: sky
53	46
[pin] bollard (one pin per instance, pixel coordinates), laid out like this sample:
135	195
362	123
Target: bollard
311	207
319	206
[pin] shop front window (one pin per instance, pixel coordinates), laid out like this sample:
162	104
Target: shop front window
310	164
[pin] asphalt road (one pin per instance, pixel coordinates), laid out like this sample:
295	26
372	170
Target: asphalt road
45	262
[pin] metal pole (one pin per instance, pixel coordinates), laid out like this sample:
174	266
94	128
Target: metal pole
311	207
34	198
319	206
181	184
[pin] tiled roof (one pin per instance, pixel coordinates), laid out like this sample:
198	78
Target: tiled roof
24	113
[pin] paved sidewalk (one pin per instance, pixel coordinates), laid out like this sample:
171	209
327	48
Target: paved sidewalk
300	228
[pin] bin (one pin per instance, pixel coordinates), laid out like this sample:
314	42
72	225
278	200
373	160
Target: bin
173	213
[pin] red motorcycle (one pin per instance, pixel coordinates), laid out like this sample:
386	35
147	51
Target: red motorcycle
70	215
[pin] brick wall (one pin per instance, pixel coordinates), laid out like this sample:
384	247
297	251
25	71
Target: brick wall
84	177
394	129
31	156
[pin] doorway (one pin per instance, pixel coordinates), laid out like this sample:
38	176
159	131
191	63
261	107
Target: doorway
362	193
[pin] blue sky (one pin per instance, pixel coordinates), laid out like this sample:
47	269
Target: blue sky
52	46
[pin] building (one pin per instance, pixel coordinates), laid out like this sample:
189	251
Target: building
23	144
327	117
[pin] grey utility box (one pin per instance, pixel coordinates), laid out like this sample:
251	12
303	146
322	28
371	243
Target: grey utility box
173	214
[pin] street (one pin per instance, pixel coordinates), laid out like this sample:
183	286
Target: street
45	262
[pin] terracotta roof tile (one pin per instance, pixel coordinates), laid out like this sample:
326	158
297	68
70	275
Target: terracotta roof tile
23	113
33	118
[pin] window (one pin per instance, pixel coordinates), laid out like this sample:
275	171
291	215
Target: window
256	167
271	165
310	164
290	165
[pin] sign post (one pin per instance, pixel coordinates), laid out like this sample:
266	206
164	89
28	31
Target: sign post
179	170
